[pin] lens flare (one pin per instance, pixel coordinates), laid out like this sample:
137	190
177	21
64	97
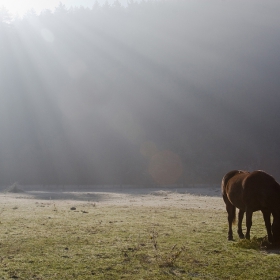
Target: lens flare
165	168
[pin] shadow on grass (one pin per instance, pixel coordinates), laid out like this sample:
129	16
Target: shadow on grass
273	251
259	244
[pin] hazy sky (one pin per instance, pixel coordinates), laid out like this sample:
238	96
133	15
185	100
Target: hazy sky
80	97
21	6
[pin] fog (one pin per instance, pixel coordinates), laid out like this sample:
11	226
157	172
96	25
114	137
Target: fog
155	92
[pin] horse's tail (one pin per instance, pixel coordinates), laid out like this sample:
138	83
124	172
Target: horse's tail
225	180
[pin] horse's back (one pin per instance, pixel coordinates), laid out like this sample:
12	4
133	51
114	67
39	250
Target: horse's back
260	191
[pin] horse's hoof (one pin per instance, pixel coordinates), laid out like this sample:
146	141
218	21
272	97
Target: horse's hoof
269	238
230	238
240	234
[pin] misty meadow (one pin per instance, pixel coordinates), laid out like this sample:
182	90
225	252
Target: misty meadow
118	121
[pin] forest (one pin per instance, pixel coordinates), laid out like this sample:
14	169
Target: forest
157	92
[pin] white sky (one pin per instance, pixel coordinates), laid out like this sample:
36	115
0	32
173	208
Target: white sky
20	7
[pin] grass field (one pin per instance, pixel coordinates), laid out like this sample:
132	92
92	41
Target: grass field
47	240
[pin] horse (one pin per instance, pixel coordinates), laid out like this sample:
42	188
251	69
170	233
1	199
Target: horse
250	192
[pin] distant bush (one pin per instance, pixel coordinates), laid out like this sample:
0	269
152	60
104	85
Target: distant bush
14	188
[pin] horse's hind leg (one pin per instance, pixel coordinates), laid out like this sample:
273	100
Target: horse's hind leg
266	217
249	215
240	219
231	216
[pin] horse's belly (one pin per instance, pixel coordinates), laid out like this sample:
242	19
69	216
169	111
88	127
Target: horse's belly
257	202
238	203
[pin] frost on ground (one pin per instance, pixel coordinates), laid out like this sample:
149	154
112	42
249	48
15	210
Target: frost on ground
187	198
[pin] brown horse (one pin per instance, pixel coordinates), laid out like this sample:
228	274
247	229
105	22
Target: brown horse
250	192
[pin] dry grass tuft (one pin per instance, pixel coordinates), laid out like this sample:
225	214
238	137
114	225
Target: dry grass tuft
165	259
254	243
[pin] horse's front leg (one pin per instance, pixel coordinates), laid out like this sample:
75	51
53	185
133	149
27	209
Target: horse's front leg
266	217
249	215
240	219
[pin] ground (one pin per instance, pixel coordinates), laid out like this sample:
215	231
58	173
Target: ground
192	198
126	233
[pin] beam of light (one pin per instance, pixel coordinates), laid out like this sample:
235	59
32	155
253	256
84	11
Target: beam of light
67	102
165	167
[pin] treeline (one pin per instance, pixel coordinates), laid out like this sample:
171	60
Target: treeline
155	92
